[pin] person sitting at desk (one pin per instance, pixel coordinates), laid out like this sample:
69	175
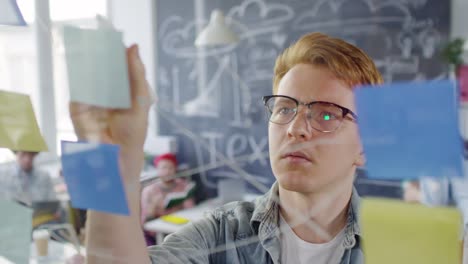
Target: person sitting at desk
154	196
24	183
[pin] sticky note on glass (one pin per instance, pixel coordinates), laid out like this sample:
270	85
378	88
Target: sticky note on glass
18	125
15	231
406	233
10	13
97	67
93	178
410	130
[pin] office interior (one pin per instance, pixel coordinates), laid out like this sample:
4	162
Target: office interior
32	62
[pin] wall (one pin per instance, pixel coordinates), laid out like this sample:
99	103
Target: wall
135	18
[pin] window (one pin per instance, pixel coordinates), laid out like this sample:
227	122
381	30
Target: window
18	60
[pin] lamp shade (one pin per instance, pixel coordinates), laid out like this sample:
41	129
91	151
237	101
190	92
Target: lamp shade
216	32
10	14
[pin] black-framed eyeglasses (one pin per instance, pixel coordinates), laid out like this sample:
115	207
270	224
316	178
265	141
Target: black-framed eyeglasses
322	116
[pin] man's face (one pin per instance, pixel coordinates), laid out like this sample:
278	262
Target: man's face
327	158
166	169
25	160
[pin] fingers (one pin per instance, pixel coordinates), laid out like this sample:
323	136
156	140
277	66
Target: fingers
90	122
140	90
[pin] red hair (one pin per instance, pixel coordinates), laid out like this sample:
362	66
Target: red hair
167	156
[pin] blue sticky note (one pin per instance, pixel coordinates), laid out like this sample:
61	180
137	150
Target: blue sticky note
410	130
92	175
10	14
15	231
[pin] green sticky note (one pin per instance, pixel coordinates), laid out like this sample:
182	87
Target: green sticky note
97	67
18	125
404	233
15	232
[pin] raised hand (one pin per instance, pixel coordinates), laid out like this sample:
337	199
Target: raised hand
121	235
125	127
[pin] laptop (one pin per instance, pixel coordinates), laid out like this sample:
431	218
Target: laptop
45	212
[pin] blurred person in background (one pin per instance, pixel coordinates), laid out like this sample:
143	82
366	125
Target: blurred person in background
21	181
154	196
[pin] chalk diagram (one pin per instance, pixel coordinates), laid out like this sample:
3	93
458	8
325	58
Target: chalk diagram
416	39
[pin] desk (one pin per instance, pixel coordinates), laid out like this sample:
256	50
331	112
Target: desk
162	228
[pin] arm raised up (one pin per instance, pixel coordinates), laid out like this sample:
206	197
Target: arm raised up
114	238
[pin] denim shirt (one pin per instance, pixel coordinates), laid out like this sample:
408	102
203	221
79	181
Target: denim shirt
18	185
244	232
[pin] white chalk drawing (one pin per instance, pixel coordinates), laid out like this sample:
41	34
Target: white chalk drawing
175	89
238	144
237	119
178	35
416	39
268	14
163	75
207	103
258	150
199	144
194	74
260	59
392	65
242	159
429	39
279	39
178	38
242	97
212	138
414	3
422	77
234	159
315	18
405	43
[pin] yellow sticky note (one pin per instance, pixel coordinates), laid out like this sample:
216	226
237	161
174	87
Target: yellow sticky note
18	125
404	233
174	219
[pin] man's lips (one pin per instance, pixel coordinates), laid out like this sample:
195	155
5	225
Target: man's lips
296	155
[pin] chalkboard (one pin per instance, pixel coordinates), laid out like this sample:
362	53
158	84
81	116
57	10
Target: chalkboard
211	98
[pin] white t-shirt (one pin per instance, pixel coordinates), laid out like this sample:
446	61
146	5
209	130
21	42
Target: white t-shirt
295	250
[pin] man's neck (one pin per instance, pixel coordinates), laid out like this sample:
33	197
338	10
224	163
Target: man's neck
316	217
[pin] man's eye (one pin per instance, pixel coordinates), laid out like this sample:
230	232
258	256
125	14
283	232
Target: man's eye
285	111
327	116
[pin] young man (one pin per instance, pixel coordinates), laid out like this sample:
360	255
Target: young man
22	182
310	213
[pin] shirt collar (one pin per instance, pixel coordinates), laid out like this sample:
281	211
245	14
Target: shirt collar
266	208
264	219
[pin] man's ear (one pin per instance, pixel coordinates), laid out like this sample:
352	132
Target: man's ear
360	159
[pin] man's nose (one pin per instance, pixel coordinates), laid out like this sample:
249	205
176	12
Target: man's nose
300	126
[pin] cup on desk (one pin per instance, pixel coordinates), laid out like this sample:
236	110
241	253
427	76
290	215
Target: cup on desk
41	240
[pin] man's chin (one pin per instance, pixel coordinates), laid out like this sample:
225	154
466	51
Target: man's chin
299	185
